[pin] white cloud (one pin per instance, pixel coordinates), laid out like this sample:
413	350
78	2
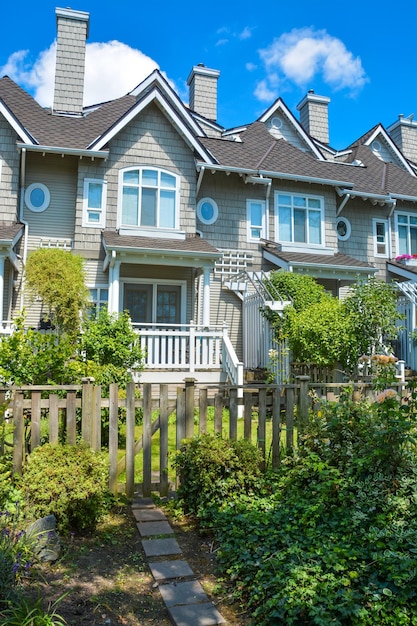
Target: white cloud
246	33
112	69
303	54
264	93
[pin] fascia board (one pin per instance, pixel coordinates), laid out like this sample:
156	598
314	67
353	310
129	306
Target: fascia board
152	96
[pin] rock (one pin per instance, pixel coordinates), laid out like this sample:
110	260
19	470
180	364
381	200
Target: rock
47	542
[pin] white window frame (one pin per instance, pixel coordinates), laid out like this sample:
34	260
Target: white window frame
99	302
148	230
291	242
377	243
397	238
346	222
155	283
87	210
263	226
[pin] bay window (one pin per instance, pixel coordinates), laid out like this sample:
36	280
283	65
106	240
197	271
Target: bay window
406	233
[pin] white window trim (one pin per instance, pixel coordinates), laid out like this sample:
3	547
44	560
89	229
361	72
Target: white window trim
99	287
264	225
152	281
386	223
1	164
148	231
102	223
297	245
397	239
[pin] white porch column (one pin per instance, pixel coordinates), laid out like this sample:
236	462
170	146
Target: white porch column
116	287
1	287
206	297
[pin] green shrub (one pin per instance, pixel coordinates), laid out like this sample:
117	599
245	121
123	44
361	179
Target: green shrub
212	470
70	482
10	494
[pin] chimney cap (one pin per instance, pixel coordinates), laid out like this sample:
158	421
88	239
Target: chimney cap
72	14
202	70
312	97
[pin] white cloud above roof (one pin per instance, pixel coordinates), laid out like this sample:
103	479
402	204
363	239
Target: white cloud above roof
303	54
112	70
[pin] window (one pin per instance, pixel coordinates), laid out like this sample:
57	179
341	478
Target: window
99	298
343	229
154	303
406	233
256	219
37	197
380	228
94	203
207	211
299	218
149	198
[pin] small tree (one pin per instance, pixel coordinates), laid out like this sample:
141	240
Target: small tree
57	278
109	349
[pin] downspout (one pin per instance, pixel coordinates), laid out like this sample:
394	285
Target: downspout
24	222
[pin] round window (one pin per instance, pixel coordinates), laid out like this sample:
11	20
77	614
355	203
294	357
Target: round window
37	197
343	229
207	211
276	122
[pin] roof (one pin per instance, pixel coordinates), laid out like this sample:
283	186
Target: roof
191	245
10	232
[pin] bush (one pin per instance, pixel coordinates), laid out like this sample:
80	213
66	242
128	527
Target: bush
70	482
212	470
10	494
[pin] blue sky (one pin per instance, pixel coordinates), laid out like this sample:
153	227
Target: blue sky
360	54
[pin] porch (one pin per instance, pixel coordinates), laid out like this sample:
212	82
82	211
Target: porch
173	352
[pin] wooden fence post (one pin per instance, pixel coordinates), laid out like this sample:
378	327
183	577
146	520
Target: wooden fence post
113	435
130	439
71	417
289	419
147	440
262	422
163	442
53	418
35	433
233	414
18	433
302	415
202	406
247	415
189	407
96	421
218	412
87	410
276	427
180	421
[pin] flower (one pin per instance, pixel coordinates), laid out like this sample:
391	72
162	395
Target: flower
385	395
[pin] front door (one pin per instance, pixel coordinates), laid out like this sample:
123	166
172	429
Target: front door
153	303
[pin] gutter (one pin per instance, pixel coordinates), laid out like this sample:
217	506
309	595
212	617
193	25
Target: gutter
91	154
24	222
279	175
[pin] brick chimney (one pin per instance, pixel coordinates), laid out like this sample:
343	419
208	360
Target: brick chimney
404	133
72	33
314	116
202	83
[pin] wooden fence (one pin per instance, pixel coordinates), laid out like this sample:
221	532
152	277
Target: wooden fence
72	413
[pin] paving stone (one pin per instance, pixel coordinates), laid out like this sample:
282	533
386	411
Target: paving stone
189	592
196	615
161	547
148	515
143	503
164	570
147	529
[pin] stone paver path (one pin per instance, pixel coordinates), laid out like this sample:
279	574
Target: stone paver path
184	597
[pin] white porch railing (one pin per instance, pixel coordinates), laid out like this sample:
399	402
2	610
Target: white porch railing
6	327
181	346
